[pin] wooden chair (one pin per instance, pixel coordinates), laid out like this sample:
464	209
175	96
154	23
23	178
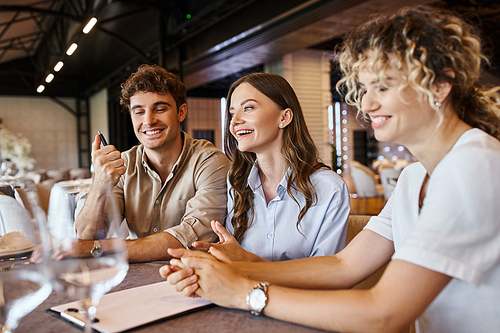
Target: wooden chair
365	188
388	179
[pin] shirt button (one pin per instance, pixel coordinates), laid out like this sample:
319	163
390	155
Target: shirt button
269	235
157	202
155	229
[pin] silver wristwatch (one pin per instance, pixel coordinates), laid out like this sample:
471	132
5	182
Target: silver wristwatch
96	251
257	298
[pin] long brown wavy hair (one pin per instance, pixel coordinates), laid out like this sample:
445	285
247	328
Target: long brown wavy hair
428	42
298	148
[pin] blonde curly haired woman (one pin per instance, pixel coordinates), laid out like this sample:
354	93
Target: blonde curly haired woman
414	76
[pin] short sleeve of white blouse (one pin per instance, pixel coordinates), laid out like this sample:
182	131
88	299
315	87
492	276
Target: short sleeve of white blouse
457	232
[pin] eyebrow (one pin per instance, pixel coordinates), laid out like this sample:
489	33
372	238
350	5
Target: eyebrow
375	81
154	105
243	102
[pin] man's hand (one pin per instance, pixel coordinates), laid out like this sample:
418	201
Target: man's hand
209	275
108	163
228	245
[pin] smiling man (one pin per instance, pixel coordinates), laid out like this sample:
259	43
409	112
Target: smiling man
170	186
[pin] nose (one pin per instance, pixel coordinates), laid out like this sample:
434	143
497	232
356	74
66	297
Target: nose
369	102
236	118
149	117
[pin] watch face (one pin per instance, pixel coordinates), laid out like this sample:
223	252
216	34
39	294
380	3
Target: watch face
257	299
96	252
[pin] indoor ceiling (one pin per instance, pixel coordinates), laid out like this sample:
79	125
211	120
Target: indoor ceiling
207	42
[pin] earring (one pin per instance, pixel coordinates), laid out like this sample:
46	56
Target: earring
437	104
281	125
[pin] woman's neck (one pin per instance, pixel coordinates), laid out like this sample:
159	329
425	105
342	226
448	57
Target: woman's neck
272	169
433	148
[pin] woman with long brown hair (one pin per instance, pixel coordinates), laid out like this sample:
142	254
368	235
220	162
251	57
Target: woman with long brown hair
283	203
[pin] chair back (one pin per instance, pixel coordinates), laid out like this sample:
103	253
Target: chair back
388	179
12	215
365	186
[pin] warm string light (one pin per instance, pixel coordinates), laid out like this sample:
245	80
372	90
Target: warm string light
344	133
338	134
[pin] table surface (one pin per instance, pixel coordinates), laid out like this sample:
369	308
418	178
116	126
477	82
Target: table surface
213	319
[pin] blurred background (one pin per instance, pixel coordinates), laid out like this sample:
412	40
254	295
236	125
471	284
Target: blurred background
60	84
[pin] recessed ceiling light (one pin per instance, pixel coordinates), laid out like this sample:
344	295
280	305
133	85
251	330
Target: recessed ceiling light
71	49
49	78
58	66
89	25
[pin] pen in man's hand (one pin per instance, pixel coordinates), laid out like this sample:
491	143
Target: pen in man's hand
103	140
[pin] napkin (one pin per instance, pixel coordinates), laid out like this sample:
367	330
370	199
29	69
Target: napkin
14	241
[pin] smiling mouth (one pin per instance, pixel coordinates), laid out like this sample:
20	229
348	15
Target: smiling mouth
152	132
379	120
243	132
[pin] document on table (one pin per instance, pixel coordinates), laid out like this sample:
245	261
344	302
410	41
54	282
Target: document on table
126	309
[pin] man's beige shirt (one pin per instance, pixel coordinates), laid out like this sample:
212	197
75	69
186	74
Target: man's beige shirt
193	194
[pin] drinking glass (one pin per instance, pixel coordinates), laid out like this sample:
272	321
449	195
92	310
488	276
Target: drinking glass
24	283
84	273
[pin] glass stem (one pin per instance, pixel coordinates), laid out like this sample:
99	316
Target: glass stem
90	311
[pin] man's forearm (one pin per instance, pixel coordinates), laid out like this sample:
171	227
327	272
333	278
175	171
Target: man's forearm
91	217
151	248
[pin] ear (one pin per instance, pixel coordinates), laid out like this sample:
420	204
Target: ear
286	117
443	87
182	113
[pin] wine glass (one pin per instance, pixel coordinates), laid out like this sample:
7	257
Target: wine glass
24	283
83	270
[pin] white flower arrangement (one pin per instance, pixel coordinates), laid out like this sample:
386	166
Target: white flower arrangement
16	148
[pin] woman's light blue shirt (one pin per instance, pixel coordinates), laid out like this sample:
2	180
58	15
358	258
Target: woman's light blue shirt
273	234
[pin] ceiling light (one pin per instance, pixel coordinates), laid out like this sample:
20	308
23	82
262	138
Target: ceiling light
89	25
58	66
40	88
71	49
49	78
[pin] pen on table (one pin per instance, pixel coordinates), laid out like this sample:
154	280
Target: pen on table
103	140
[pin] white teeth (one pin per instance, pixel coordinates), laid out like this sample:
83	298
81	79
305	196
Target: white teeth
378	120
243	132
152	132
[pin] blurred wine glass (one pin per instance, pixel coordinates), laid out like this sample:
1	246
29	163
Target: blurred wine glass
80	268
24	284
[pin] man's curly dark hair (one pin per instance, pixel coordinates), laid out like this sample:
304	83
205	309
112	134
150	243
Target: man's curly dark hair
153	78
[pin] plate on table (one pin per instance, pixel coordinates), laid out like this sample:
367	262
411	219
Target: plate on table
5	254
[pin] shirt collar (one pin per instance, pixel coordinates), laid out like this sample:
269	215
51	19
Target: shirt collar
186	142
254	181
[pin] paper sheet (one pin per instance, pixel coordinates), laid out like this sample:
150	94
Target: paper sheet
126	309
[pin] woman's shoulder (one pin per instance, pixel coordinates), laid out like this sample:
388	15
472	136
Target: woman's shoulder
326	178
473	148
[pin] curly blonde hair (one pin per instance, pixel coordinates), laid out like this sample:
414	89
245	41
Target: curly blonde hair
429	42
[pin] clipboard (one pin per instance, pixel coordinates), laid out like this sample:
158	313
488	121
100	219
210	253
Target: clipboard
123	310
